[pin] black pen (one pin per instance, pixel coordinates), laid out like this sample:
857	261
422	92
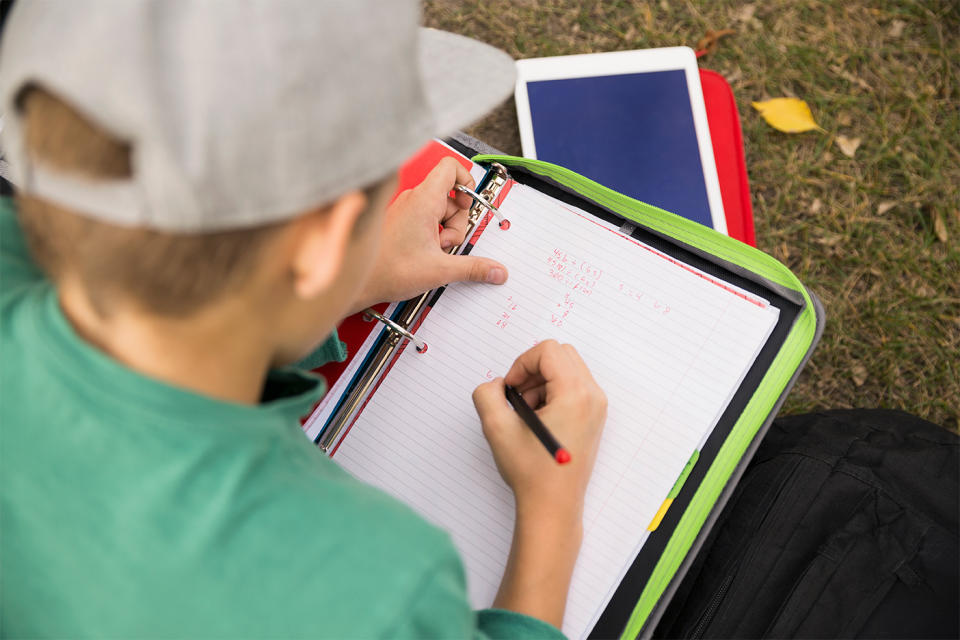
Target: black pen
529	416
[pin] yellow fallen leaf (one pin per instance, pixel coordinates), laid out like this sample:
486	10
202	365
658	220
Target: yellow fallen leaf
790	115
848	145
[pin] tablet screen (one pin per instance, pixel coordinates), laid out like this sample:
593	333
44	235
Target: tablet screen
631	132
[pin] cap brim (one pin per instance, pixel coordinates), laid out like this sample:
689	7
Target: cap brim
464	79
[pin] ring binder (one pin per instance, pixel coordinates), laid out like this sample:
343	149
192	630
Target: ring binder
373	314
392	406
399	328
504	223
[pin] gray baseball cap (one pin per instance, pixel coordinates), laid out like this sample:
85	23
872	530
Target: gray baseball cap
240	112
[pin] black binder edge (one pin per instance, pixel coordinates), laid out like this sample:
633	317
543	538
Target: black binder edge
654	618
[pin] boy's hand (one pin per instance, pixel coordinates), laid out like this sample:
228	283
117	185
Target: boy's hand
554	380
546	538
413	256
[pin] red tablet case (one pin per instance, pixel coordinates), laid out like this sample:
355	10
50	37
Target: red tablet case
727	139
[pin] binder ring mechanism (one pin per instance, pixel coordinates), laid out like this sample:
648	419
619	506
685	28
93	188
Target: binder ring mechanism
398	331
479	199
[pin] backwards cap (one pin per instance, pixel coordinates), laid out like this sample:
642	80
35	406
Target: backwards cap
240	112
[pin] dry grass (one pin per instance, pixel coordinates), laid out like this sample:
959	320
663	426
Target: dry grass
875	236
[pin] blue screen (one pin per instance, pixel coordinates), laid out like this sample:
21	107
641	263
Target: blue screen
633	133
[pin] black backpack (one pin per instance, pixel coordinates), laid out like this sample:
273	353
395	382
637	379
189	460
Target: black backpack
845	524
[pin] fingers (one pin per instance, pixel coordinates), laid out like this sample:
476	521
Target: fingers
454	229
539	363
443	177
463	201
550	363
535	396
472	269
459	202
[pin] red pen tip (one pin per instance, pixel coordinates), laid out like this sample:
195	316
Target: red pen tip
563	456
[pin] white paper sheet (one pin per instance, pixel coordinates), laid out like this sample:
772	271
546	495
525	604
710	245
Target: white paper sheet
668	343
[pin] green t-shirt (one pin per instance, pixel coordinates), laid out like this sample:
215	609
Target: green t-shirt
132	508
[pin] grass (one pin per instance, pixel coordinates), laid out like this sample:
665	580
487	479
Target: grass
876	236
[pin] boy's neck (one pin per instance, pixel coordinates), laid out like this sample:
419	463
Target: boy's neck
216	352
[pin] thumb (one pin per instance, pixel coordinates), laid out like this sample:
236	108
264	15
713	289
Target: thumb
473	269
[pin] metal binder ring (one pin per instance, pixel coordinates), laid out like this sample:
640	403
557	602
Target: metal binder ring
396	328
483	201
476	196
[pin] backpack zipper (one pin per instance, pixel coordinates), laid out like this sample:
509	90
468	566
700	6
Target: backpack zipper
707	616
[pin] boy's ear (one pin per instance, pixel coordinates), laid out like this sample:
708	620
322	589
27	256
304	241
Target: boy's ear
321	244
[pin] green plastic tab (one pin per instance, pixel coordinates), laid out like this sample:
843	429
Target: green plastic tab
675	491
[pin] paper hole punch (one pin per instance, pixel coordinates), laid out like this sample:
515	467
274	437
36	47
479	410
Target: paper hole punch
504	223
398	331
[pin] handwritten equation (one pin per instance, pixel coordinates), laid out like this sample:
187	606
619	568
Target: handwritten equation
578	275
579	280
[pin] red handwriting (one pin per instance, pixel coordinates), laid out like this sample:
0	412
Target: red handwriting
559	314
577	275
504	320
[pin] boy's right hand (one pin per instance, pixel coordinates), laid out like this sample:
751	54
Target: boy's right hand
555	381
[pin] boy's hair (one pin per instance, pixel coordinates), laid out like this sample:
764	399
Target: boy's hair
170	274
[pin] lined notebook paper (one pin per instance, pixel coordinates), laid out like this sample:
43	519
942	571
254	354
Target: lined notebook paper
668	343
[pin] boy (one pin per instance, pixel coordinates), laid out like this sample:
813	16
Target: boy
202	192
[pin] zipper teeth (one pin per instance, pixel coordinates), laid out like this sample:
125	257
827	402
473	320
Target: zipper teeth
788	475
714	605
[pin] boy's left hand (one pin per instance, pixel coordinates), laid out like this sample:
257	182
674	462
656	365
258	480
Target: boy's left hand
413	256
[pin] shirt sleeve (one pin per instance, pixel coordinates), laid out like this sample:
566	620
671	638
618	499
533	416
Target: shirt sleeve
499	623
440	609
17	268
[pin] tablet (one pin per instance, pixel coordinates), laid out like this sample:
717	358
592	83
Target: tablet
633	121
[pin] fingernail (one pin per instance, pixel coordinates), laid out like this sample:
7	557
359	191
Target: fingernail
496	276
